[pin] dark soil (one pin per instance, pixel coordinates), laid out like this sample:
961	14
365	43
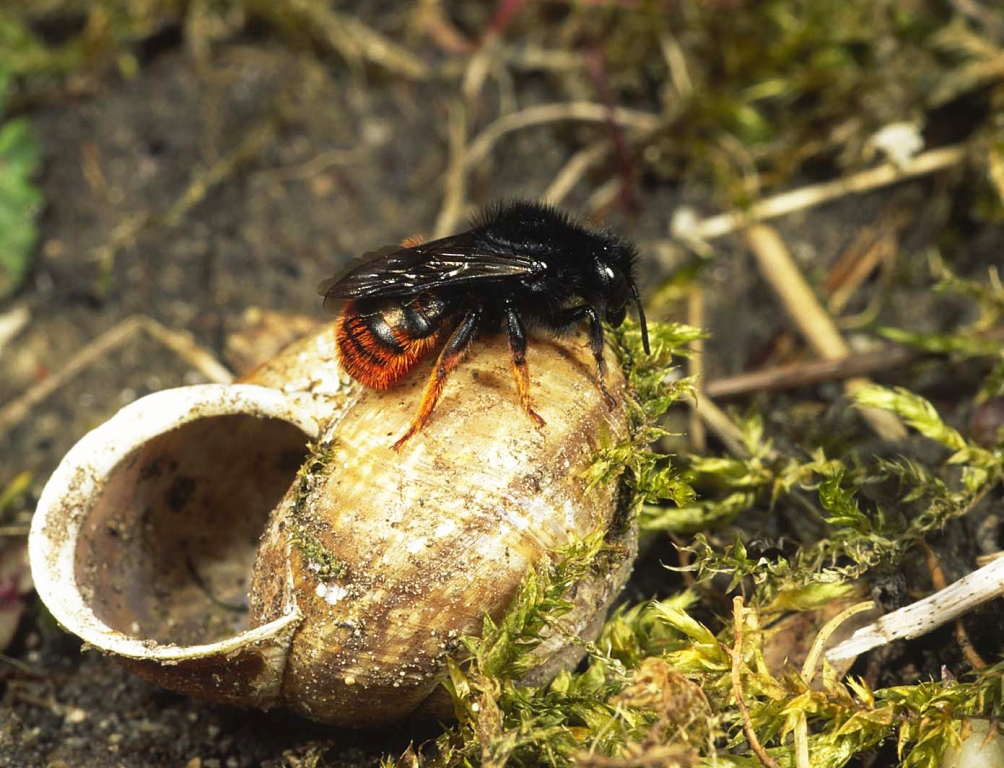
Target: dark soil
329	163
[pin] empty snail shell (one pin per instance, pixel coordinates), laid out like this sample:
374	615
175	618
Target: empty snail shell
196	538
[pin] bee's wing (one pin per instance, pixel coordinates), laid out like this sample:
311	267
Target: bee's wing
440	263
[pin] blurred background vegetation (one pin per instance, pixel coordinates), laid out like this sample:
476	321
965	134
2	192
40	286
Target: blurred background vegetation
204	164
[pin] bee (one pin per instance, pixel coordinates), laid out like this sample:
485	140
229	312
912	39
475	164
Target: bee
522	265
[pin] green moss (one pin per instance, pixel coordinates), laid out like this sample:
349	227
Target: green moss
867	513
654	387
323	563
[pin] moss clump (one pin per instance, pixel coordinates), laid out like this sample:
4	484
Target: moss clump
320	561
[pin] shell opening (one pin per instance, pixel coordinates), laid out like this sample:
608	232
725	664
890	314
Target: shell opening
144	538
167	548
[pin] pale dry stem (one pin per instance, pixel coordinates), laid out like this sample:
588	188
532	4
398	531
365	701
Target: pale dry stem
813	322
818	194
181	344
738	620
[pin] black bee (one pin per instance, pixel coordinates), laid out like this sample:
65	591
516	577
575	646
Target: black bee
522	264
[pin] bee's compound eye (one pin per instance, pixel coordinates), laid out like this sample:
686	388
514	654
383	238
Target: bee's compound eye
617	293
610	280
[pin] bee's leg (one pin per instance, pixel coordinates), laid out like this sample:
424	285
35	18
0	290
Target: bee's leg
454	351
516	332
566	318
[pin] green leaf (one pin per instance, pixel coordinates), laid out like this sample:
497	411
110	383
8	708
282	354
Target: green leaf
20	199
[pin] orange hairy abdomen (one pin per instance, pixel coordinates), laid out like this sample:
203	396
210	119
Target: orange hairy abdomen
377	362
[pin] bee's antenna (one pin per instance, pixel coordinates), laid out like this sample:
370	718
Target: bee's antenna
641	316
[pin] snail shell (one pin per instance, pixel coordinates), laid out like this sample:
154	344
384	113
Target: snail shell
181	537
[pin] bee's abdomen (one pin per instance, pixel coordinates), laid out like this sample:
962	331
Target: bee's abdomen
381	341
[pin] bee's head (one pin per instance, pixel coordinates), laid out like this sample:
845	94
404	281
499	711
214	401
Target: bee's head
605	279
613	271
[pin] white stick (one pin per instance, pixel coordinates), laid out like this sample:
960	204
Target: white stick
807	197
927	614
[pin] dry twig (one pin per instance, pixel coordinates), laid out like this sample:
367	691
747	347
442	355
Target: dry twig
925	615
817	371
349	37
738	620
817	194
815	325
455	179
12	322
179	343
939	582
811	372
801	731
541	114
722	426
573	170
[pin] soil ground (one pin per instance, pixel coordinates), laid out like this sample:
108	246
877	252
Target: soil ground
317	164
